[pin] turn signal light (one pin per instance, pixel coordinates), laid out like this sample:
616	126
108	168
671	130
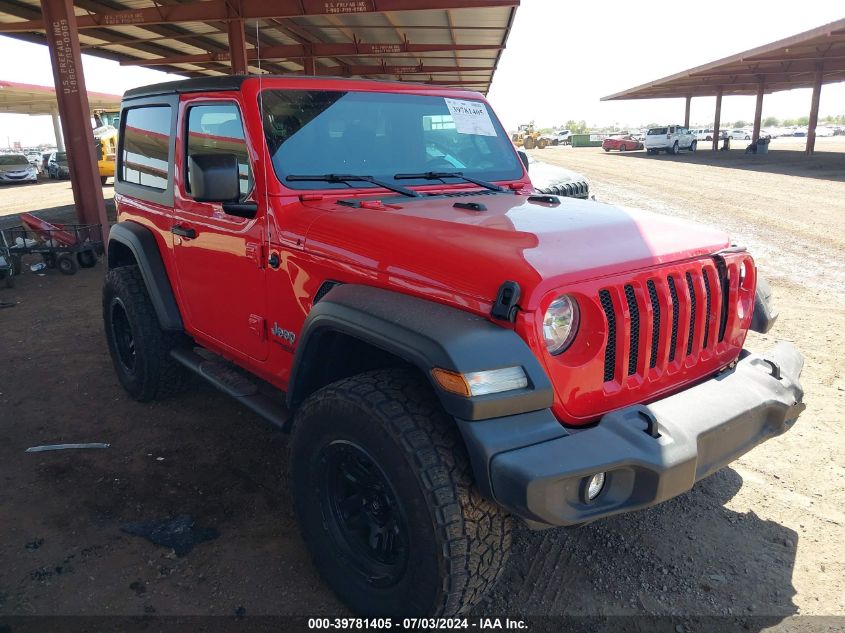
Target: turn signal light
451	381
480	383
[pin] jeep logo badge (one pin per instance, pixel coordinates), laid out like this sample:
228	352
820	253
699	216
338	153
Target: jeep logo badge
286	335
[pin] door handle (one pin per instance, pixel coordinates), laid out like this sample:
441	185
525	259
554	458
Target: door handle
185	232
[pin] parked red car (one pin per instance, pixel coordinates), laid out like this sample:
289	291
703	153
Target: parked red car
622	143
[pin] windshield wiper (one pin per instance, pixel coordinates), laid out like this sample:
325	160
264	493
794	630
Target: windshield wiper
440	175
347	178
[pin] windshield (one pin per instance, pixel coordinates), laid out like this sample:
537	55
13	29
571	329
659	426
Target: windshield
657	130
13	159
314	132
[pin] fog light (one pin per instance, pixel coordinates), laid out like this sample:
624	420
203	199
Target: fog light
593	486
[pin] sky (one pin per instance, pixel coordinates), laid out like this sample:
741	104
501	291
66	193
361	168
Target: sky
561	58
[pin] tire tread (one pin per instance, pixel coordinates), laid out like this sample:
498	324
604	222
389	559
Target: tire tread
474	533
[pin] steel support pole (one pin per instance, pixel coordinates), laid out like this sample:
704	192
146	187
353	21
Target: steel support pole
57	130
75	112
758	113
814	110
717	118
237	47
310	67
686	112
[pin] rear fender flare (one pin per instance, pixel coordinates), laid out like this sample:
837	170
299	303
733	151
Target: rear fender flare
141	243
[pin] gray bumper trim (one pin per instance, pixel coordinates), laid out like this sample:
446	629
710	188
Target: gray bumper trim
701	430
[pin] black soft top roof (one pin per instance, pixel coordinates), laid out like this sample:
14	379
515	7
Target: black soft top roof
198	84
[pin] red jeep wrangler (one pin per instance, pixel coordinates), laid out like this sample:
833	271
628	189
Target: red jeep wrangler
367	265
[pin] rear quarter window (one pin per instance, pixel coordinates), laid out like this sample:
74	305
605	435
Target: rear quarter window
145	155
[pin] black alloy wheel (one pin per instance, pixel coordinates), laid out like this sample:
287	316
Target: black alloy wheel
124	339
362	513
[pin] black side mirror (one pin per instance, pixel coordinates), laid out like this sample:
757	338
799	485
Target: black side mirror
214	177
523	157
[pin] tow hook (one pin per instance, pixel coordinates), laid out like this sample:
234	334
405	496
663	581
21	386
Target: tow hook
650	423
775	368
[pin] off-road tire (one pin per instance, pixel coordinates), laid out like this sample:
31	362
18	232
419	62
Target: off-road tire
458	541
154	374
675	149
17	264
693	146
8	277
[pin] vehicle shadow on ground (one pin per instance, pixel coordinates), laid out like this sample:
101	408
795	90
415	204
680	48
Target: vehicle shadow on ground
688	558
821	165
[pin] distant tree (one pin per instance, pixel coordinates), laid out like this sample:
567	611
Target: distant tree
740	123
771	121
576	127
803	120
790	122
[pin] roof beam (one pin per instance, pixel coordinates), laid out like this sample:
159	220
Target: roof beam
210	10
402	70
316	49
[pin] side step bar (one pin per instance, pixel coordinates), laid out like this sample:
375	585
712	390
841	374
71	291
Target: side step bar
233	383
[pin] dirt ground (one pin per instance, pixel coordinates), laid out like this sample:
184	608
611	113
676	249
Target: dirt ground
760	541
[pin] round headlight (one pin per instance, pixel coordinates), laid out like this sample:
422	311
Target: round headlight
560	324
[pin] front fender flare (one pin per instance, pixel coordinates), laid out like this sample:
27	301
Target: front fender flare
427	335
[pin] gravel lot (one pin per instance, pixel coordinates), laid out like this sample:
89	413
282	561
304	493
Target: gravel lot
761	540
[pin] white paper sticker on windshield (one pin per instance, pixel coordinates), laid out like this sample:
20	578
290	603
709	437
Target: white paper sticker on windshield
470	117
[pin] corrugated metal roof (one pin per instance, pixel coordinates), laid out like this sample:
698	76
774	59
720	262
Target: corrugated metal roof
440	41
788	63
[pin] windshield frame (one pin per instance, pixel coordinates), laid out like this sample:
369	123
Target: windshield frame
362	187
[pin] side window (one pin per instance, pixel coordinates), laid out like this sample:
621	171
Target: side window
146	145
217	129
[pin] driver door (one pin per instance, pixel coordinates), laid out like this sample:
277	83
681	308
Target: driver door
219	256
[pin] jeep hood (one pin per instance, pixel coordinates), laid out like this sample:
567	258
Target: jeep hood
427	243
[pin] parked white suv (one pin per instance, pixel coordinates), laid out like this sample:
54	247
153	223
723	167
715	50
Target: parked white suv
671	139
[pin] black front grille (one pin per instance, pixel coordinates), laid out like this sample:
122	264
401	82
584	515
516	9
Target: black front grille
610	350
725	290
631	314
635	330
675	310
707	305
691	289
655	324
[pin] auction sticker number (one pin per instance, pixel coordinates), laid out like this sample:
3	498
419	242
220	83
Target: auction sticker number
470	117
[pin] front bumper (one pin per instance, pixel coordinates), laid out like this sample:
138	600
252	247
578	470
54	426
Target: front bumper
538	472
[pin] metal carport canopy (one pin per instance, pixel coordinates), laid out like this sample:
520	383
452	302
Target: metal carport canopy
18	98
805	60
456	42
